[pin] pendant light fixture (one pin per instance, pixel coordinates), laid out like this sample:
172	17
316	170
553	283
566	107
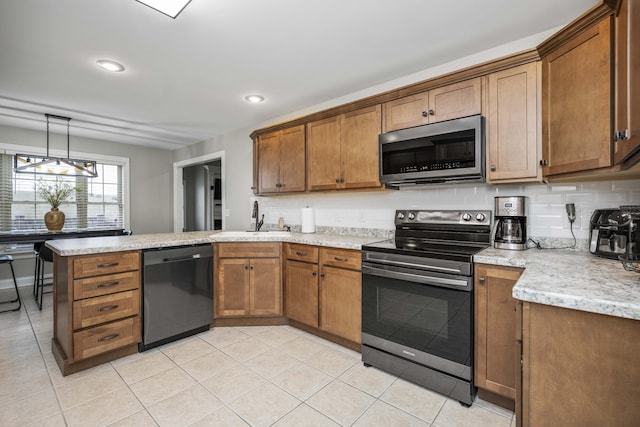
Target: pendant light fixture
29	163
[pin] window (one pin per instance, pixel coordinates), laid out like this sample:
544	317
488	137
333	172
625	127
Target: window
98	204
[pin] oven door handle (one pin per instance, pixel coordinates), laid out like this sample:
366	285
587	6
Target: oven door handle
383	260
417	278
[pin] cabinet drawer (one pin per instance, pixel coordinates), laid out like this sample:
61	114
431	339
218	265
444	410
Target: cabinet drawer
298	252
341	258
95	265
104	285
249	250
93	311
102	339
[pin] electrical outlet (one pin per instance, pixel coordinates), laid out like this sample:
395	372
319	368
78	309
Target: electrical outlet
571	211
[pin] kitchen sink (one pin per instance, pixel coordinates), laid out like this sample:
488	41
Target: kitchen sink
253	234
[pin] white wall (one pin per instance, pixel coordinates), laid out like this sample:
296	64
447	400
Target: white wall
546	204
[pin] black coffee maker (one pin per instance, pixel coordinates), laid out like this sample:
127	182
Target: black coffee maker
614	232
510	223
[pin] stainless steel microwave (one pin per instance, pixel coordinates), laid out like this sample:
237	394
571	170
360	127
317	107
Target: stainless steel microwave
444	152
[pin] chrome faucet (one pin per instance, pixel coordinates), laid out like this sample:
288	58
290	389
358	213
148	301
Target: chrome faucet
255	214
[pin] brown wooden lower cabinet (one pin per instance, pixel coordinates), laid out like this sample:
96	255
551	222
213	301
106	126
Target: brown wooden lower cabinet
248	279
96	309
579	368
495	330
323	289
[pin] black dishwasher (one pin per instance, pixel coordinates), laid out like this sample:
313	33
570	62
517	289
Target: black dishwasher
178	293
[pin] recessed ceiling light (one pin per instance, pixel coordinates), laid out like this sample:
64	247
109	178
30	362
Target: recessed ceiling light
254	99
108	65
170	8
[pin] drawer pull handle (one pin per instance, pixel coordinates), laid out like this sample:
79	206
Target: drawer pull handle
341	259
301	253
109	308
108	264
108	285
108	337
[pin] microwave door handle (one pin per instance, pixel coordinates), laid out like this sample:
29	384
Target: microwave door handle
417	278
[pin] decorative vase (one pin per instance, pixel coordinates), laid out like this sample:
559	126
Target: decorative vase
54	219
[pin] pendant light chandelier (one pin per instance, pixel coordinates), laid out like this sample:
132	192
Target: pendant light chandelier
28	163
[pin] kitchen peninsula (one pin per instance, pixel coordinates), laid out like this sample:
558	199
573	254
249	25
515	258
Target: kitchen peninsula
579	318
97	296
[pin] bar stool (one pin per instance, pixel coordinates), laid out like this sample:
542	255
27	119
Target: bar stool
8	259
44	255
36	268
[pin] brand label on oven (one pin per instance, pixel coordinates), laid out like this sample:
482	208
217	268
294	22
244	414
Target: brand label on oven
408	353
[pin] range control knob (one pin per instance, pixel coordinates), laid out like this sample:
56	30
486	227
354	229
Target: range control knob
412	215
480	217
466	217
400	215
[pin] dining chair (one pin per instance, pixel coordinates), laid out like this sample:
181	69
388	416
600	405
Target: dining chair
8	259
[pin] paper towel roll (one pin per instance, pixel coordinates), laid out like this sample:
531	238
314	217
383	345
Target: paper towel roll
308	220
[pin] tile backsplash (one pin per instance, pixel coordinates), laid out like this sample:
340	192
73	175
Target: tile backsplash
375	209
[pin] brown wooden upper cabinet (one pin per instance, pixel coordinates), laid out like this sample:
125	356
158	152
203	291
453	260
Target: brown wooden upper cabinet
342	151
512	126
577	102
436	105
627	51
281	161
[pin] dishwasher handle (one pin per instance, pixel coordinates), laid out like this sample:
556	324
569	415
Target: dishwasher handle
181	258
177	254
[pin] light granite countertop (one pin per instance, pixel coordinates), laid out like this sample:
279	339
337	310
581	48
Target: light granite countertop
571	279
563	278
96	245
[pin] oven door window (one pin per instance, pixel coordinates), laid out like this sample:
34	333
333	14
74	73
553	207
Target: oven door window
426	318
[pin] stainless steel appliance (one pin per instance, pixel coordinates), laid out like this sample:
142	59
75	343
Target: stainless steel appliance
177	293
417	299
510	223
614	232
449	151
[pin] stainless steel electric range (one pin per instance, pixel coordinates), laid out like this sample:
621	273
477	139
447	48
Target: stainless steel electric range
417	299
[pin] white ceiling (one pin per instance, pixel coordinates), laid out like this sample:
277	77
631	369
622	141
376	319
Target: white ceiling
185	79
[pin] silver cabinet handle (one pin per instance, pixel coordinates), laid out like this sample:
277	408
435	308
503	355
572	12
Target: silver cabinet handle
108	337
108	264
107	285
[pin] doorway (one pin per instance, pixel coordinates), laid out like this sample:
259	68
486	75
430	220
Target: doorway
199	193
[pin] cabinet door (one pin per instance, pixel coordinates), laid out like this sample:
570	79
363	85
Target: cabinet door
269	163
495	341
341	303
292	160
513	140
359	141
569	357
576	109
323	154
455	101
302	292
406	112
266	287
232	294
627	50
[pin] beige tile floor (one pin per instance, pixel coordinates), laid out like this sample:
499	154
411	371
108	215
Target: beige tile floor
258	376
